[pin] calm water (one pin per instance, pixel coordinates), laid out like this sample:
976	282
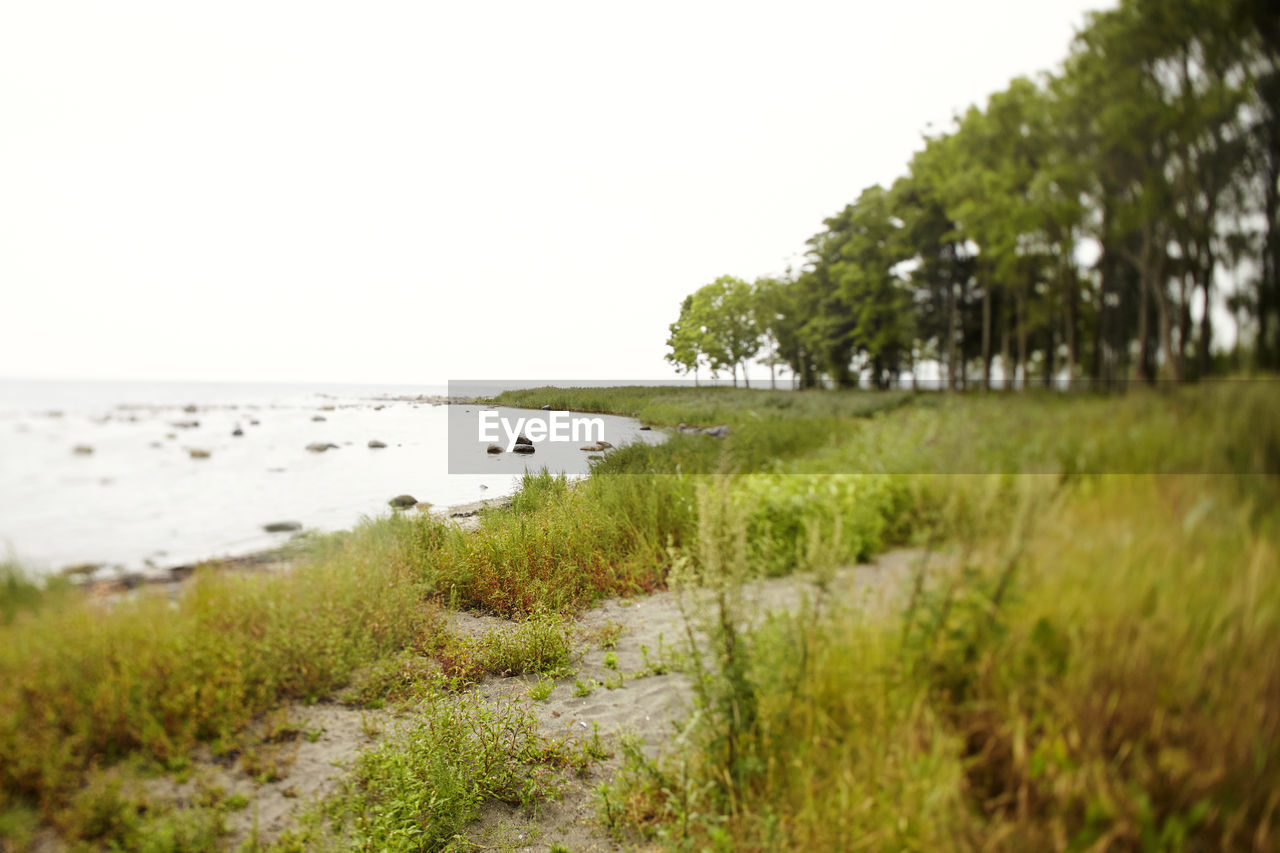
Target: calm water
140	501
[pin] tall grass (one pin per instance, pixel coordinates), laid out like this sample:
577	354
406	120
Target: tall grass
1101	673
83	684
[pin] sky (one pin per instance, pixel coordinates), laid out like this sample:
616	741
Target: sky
417	192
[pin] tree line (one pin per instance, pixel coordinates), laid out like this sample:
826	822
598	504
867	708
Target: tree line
1088	224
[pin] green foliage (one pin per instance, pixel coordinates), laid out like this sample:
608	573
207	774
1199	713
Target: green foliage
1155	141
1053	688
20	593
82	684
421	789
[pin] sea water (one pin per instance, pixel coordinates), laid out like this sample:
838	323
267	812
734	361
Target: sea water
140	502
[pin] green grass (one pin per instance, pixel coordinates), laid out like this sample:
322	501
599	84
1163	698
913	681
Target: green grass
1100	674
420	790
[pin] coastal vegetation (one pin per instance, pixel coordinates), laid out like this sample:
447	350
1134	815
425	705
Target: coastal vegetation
1090	658
1082	654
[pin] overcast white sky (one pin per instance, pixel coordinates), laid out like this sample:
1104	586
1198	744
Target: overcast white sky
413	192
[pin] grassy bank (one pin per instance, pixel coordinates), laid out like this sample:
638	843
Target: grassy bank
1098	669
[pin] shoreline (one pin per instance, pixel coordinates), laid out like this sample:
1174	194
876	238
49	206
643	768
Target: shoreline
466	516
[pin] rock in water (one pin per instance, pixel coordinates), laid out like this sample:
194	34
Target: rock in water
321	446
403	501
523	448
237	432
82	450
645	428
197	453
546	408
282	526
319	418
377	445
523	439
493	448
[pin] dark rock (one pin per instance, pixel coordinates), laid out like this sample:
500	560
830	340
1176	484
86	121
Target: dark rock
377	445
82	450
185	424
592	448
190	409
319	418
645	428
493	448
132	580
403	501
714	432
523	448
606	445
321	446
282	526
180	573
523	439
80	569
253	423
237	432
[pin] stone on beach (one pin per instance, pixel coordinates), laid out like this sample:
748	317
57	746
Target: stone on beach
199	453
319	418
377	445
522	448
82	450
523	439
493	448
714	432
403	501
237	432
321	446
282	526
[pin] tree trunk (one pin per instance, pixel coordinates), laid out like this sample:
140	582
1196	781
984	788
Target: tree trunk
1072	320
951	335
1021	310
986	336
1007	368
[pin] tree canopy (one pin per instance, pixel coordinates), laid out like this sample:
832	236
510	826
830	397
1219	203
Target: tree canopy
1091	223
